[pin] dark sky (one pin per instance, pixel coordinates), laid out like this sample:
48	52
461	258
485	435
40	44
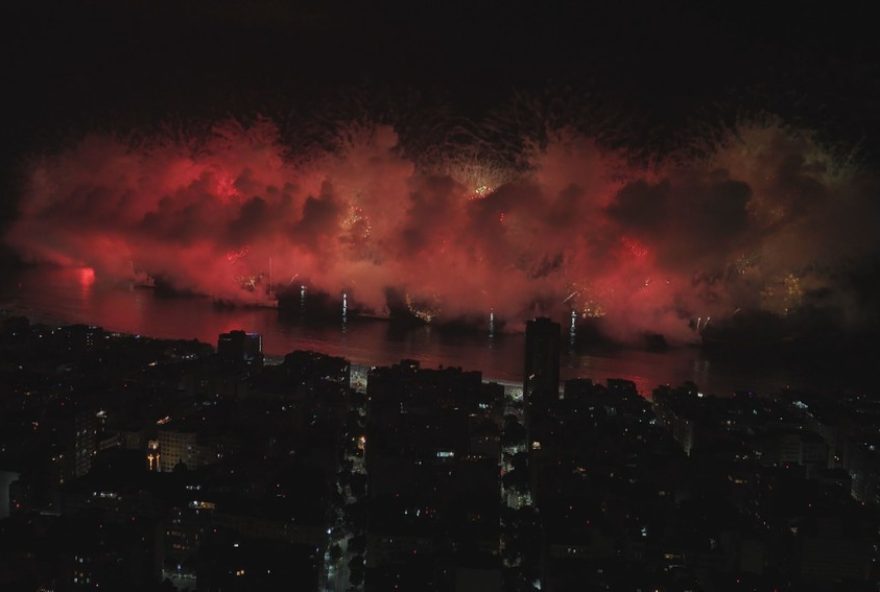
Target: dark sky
71	60
71	67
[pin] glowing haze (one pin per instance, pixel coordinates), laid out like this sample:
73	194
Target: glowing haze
763	220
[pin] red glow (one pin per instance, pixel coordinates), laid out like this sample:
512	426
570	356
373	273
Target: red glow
366	219
86	277
225	186
236	254
635	248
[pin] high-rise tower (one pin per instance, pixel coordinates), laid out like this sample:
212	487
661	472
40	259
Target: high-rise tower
541	372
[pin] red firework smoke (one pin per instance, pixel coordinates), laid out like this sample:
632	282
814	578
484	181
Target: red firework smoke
641	249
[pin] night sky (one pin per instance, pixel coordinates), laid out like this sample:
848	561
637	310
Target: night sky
84	64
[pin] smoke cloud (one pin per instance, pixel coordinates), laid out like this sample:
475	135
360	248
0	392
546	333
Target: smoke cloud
766	219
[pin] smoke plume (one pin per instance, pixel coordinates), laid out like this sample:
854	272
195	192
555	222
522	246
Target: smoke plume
763	220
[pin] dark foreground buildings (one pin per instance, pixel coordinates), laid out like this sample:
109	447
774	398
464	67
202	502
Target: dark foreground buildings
136	464
541	368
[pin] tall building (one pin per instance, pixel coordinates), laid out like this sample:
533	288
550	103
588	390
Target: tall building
83	338
541	371
6	480
85	441
178	446
237	347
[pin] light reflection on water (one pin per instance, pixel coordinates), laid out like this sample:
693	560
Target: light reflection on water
76	296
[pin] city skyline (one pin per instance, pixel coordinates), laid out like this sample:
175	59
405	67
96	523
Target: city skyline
560	296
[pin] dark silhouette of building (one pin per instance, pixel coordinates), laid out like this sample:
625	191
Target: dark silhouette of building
308	368
237	347
541	371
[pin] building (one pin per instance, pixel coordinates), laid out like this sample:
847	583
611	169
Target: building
541	371
178	446
83	338
6	480
85	442
309	368
238	347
